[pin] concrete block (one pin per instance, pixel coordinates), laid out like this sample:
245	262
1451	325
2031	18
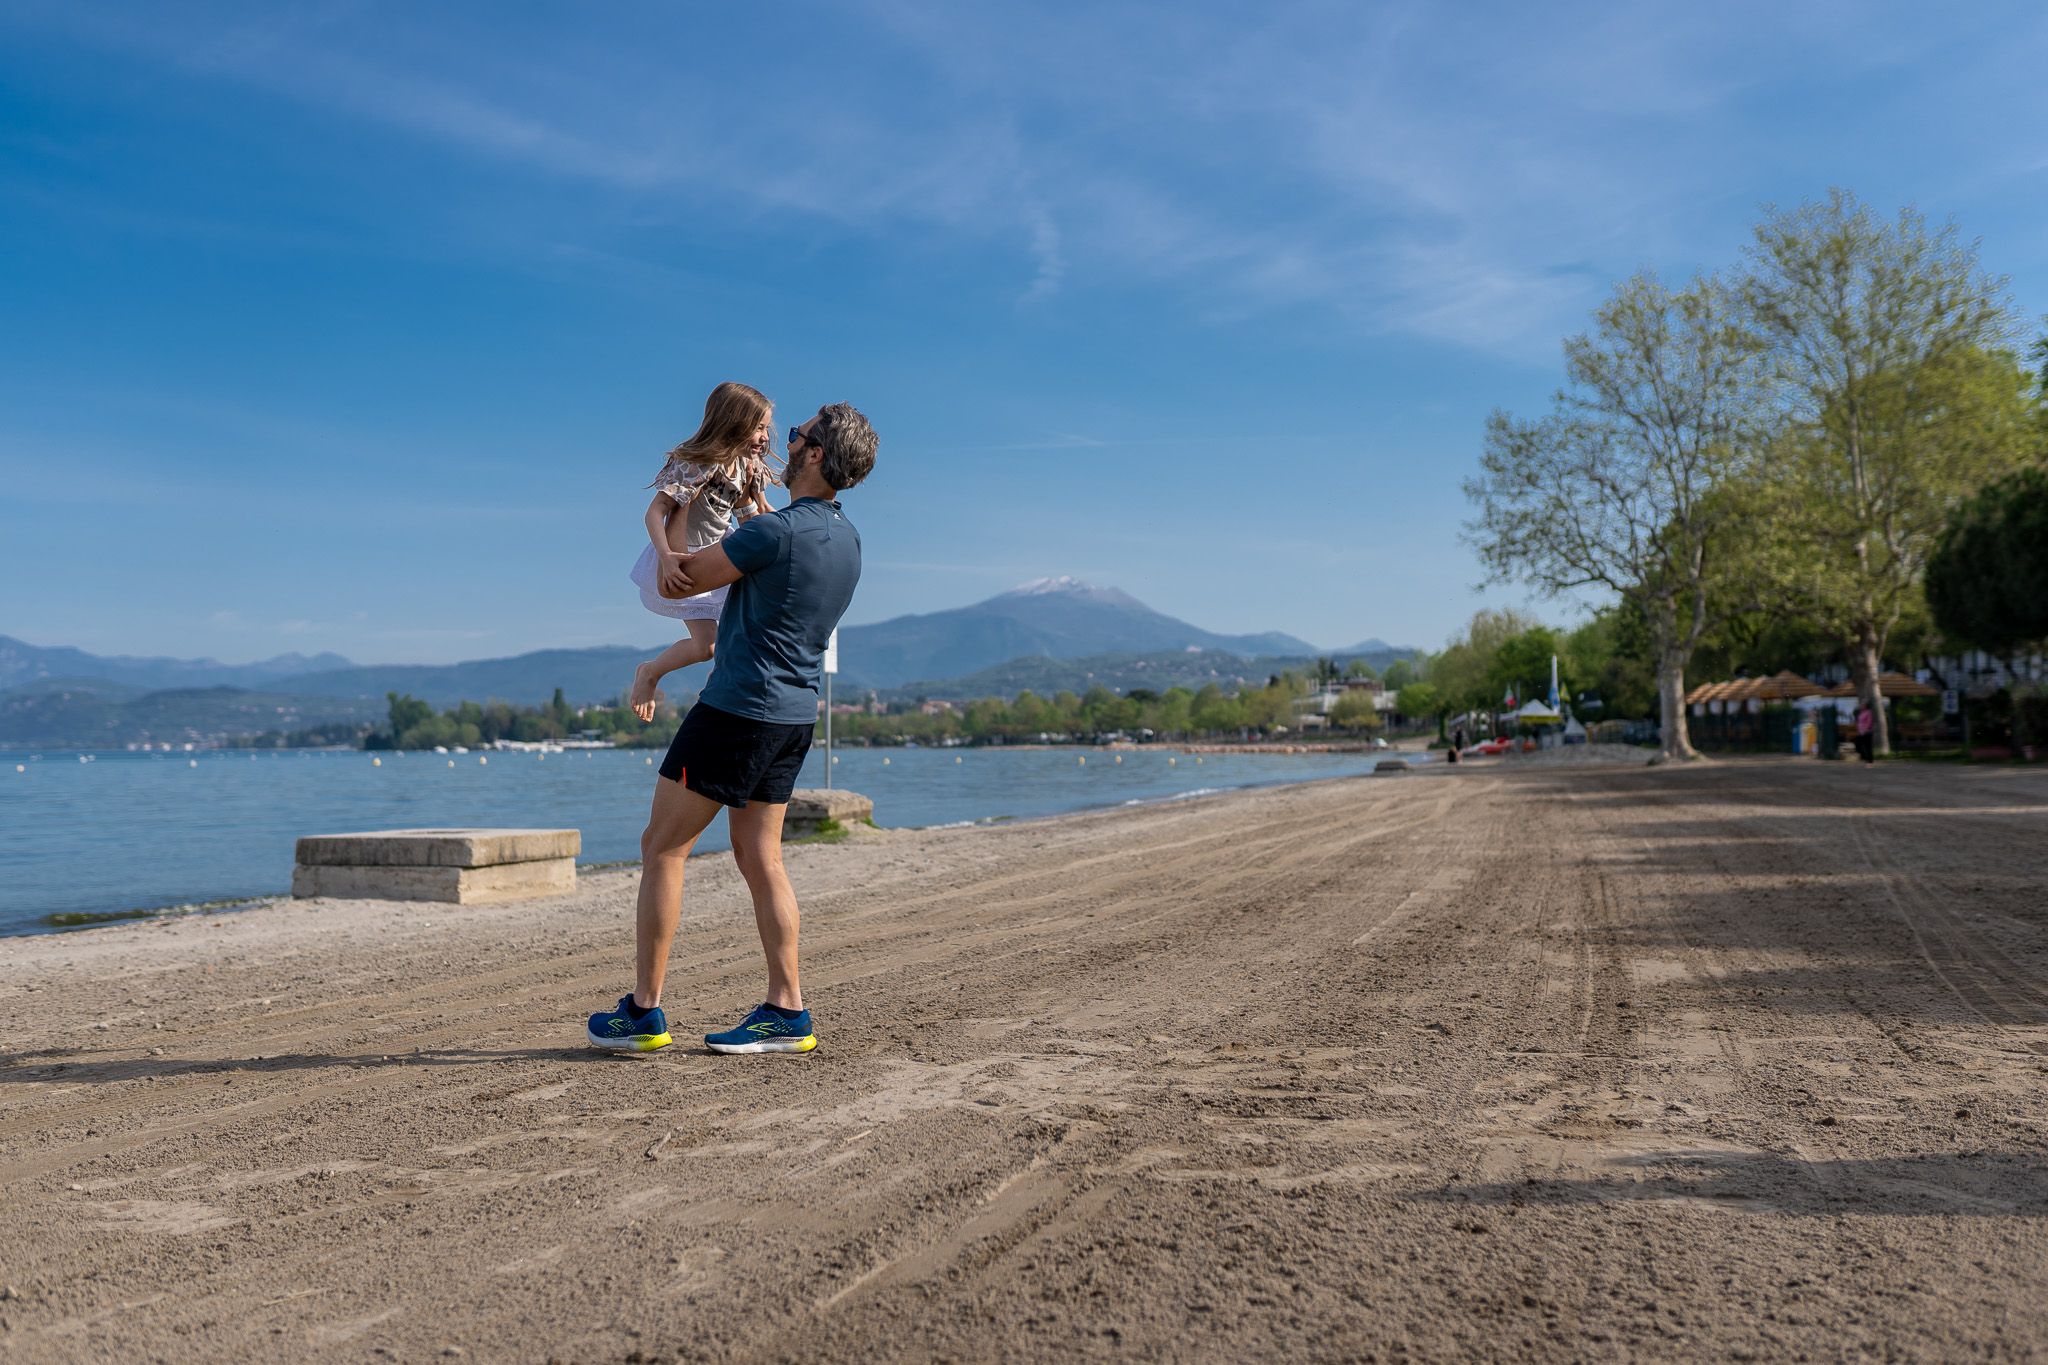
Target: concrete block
1391	765
455	885
458	866
810	807
438	847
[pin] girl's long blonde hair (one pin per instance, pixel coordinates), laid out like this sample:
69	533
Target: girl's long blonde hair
730	415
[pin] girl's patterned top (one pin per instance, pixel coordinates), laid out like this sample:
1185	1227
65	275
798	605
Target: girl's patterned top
711	496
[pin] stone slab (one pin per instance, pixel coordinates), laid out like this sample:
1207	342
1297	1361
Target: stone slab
438	847
453	885
810	807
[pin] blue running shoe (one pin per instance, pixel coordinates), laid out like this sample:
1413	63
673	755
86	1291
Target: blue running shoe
766	1031
629	1028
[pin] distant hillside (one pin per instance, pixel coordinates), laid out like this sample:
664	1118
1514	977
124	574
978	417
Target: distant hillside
1158	670
586	676
1059	618
1373	650
21	662
1119	672
95	714
1048	635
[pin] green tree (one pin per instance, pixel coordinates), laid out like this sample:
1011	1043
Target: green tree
1419	701
1030	715
1463	670
497	721
1355	711
1101	710
1622	487
531	729
1359	668
1212	713
1522	663
1987	581
1270	706
1400	673
1065	713
407	712
1896	400
987	718
1173	713
1612	656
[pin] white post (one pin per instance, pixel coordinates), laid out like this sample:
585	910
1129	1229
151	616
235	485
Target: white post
831	667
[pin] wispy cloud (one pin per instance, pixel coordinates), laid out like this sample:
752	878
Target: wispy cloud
1045	250
1399	168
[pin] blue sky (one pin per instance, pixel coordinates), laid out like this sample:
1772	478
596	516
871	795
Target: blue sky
360	326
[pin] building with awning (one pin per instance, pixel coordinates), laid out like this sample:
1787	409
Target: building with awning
1751	694
1750	713
1759	713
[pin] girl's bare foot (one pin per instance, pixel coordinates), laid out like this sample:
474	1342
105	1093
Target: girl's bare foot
645	695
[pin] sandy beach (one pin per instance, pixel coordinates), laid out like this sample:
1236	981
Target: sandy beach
1744	1059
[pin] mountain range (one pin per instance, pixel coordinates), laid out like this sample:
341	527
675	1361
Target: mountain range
25	663
1050	634
1060	618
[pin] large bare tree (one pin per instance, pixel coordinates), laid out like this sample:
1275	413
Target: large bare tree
1632	483
1895	401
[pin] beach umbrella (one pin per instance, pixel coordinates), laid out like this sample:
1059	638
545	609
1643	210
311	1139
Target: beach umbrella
1786	685
1889	684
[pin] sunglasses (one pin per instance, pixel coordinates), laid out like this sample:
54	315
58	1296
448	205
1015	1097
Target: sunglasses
798	436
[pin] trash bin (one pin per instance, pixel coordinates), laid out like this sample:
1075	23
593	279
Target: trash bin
1830	732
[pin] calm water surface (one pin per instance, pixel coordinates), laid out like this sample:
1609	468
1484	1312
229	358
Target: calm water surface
131	831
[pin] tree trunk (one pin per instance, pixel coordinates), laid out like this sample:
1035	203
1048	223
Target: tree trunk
1671	708
1864	666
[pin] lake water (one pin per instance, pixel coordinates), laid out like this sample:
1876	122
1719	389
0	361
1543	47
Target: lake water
135	831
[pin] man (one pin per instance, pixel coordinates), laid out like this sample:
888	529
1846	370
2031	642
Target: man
793	573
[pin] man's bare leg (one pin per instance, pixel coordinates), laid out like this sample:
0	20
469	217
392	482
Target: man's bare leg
693	648
757	848
678	817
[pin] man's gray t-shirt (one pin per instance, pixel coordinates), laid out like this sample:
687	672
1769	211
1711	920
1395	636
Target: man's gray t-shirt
798	569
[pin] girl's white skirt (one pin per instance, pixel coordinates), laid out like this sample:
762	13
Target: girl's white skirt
705	606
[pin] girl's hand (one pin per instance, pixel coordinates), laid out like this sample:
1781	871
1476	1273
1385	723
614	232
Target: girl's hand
668	573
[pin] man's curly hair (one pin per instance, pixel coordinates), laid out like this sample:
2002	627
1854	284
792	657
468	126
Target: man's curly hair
849	444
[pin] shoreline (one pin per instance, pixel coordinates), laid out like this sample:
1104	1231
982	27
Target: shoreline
90	921
36	753
602	881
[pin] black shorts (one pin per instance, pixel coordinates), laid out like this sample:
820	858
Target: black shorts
734	760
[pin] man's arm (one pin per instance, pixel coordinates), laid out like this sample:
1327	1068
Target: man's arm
757	543
709	568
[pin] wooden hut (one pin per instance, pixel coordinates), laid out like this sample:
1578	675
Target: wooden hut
1891	686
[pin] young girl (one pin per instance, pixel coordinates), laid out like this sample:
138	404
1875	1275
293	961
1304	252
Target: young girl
712	480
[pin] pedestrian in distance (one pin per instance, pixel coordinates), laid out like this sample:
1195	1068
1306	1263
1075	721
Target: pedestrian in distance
1866	732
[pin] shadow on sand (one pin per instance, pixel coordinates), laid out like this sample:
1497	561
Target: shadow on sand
1970	1184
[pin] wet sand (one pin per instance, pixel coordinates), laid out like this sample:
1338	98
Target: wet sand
1747	1059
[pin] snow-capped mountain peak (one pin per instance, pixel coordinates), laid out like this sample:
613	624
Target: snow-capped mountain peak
1041	587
